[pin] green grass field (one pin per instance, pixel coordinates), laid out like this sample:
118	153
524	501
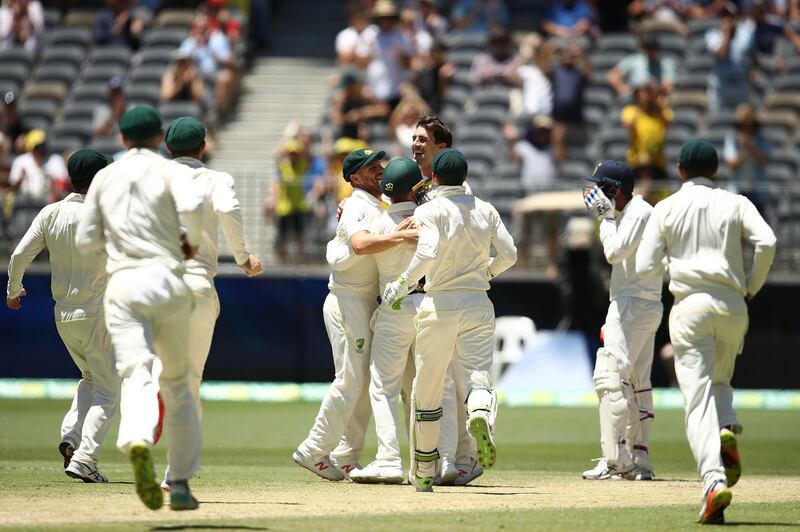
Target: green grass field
249	482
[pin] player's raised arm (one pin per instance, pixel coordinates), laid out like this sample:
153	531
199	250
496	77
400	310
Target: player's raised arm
756	230
226	205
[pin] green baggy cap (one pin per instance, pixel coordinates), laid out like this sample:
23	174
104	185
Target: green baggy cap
698	156
450	165
84	164
399	177
140	123
358	159
185	133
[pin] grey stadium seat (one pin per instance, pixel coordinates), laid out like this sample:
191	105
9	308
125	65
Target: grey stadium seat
172	110
478	152
38	113
60	55
63	73
102	73
575	170
152	74
488	116
52	17
785	158
90	92
16	56
81	129
508	170
13	77
461	79
478	134
142	94
79	111
164	38
457	96
473	41
61	145
461	58
159	57
496	97
692	82
110	55
107	146
619	42
69	36
53	91
788	83
175	18
80	18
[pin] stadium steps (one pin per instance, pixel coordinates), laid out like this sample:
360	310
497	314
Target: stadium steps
276	91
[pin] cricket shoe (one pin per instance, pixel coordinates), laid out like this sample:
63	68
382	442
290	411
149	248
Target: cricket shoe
479	429
84	472
67	450
346	469
714	503
144	476
730	456
378	473
468	472
423	484
447	474
640	473
181	498
321	466
604	471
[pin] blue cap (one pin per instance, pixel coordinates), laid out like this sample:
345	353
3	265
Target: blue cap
615	173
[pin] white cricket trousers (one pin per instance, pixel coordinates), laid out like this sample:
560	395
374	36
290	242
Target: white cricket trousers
345	410
147	314
453	323
629	335
94	406
707	334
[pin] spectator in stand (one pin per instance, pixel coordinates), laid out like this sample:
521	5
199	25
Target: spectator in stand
434	78
286	198
498	66
647	121
354	106
341	149
700	9
643	68
534	151
671	12
212	54
747	154
537	94
37	176
118	25
430	19
105	118
420	38
568	79
568	18
769	28
733	48
353	41
479	15
181	82
220	19
389	54
403	121
21	24
11	126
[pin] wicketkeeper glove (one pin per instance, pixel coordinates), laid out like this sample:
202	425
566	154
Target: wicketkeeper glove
394	293
598	204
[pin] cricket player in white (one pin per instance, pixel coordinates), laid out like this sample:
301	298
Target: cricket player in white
458	464
344	413
456	235
391	365
699	230
622	370
78	283
185	140
145	211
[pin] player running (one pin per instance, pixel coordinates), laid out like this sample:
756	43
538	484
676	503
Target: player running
699	232
77	283
138	208
345	409
185	139
456	235
622	370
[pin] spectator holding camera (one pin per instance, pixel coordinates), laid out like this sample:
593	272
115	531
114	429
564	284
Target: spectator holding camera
181	82
644	67
747	154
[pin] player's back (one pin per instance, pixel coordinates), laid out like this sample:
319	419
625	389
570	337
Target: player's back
139	216
466	225
77	281
702	227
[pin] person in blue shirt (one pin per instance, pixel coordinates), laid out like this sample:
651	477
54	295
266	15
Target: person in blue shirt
568	18
479	15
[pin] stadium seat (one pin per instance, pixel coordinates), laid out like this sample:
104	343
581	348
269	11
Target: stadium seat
574	170
90	92
142	94
81	129
659	28
38	113
172	110
777	136
486	115
786	158
80	111
690	82
461	79
13	77
784	121
16	56
599	97
618	42
164	38
110	55
466	41
457	96
62	145
788	83
700	64
159	57
461	58
81	37
603	61
151	74
701	26
673	46
477	134
492	97
102	73
689	99
63	55
508	170
724	120
106	145
686	116
478	169
80	18
478	152
175	18
55	92
52	17
62	73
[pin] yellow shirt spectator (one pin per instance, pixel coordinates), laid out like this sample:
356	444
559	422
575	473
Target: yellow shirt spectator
648	127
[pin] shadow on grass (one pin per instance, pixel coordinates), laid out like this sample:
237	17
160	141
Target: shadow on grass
207	527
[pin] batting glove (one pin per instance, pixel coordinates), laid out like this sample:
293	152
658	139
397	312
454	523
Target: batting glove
394	293
598	204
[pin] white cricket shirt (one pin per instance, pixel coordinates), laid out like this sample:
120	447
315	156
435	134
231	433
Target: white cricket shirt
353	273
77	281
457	232
138	207
393	261
620	240
700	229
220	208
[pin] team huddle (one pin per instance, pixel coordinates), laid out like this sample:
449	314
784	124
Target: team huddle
133	254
